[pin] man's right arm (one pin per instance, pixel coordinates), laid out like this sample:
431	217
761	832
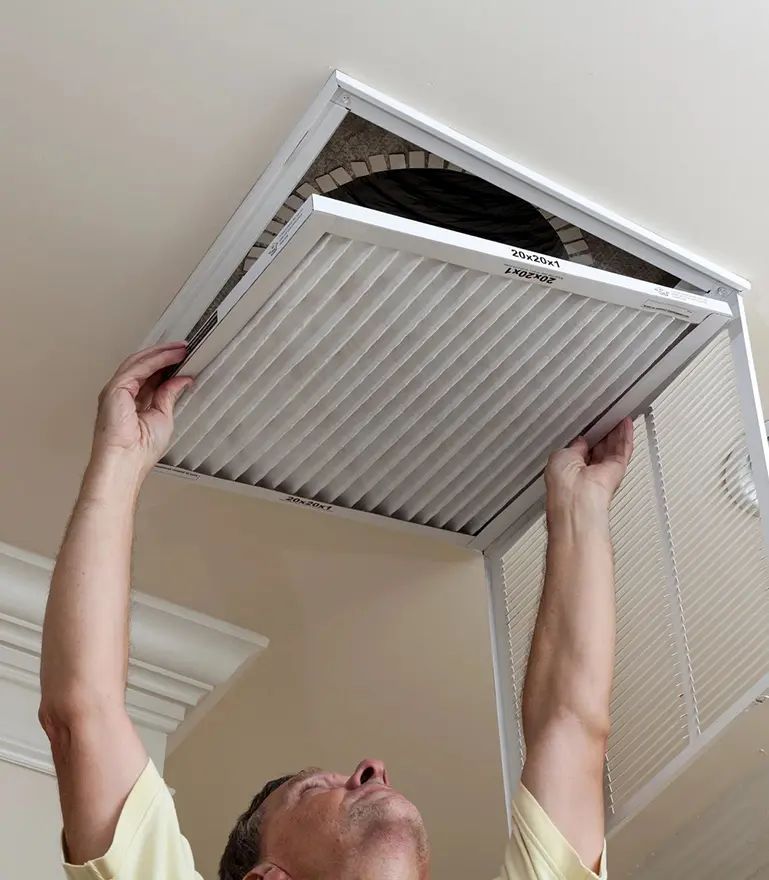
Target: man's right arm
96	750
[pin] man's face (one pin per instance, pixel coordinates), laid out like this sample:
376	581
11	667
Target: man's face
321	824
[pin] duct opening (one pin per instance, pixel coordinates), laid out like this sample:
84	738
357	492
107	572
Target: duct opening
456	201
372	167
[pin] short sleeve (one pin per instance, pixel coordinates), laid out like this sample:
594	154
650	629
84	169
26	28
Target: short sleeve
147	841
537	850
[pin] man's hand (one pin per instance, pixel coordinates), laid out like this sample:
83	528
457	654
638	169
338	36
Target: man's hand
578	479
135	418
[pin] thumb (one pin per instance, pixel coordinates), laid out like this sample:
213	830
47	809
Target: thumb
579	445
613	470
169	392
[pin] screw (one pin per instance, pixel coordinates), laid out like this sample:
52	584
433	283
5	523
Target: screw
345	99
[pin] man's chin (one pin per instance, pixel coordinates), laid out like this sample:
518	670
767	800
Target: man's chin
389	826
388	808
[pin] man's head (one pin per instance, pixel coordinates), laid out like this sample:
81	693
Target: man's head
316	825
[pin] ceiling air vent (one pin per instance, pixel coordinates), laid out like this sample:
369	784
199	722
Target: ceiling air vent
399	324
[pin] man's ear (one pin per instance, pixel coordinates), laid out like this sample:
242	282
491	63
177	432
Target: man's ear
267	871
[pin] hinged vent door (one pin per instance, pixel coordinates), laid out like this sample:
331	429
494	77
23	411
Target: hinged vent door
720	558
384	366
692	586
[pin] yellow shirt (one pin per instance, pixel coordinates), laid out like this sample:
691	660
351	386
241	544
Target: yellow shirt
148	842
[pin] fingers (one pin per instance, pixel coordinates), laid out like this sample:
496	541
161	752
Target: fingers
616	445
147	391
169	392
147	352
136	369
628	440
619	442
612	455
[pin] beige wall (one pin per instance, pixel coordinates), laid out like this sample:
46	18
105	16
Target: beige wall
30	825
379	647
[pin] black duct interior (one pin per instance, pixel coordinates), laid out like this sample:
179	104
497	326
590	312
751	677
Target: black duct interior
457	201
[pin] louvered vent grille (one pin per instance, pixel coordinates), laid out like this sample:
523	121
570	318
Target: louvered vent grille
692	581
386	382
718	545
522	569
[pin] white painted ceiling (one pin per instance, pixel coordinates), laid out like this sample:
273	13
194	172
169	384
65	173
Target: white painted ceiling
130	132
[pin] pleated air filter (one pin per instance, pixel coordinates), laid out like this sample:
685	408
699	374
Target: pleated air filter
692	587
377	365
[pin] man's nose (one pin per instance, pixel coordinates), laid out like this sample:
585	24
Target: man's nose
370	770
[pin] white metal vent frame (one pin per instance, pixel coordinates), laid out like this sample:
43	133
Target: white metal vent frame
758	450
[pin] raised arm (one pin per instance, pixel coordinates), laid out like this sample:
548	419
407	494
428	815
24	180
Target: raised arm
96	751
570	671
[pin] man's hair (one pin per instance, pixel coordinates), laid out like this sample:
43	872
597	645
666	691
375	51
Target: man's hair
244	845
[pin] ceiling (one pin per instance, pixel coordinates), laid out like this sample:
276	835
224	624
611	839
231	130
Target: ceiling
711	822
130	133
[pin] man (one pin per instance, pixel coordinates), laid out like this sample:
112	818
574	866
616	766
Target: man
119	819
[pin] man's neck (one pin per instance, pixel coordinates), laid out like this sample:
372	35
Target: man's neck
391	860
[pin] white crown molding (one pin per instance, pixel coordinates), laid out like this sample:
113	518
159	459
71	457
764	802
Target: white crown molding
26	755
181	662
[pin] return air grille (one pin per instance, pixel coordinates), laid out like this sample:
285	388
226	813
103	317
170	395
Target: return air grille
522	570
383	380
720	556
